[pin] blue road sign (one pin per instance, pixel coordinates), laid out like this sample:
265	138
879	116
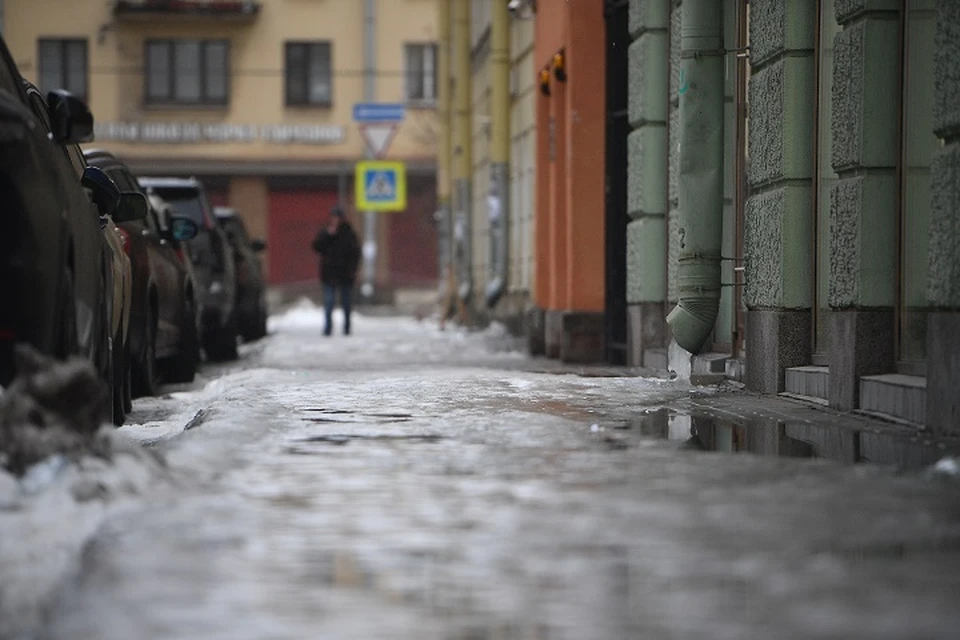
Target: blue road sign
381	186
378	112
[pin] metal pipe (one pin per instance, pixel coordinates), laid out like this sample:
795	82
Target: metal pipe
463	178
369	95
444	150
701	173
499	199
740	201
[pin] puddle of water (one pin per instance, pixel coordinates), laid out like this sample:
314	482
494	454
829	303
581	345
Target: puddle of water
345	438
787	439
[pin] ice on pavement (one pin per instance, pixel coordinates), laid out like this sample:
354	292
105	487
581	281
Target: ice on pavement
407	482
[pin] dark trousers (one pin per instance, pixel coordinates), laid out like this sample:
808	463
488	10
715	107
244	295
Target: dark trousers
329	302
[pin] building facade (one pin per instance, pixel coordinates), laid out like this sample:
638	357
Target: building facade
256	99
490	191
761	190
833	264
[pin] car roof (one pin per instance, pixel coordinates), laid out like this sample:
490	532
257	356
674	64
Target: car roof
225	212
160	183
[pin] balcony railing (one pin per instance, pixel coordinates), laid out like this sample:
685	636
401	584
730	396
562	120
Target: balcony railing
221	10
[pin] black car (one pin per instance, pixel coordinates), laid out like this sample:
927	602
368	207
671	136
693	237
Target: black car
212	260
55	275
251	287
163	316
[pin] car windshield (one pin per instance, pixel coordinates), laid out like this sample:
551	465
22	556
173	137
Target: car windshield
185	202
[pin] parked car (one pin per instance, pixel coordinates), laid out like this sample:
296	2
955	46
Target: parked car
115	371
251	301
56	269
164	342
212	260
113	358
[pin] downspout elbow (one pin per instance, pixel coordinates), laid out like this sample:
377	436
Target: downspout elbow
695	315
495	291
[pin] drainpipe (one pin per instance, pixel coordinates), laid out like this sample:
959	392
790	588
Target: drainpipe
369	95
701	173
463	178
444	151
499	198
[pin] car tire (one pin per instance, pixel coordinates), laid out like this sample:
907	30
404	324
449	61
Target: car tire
118	382
223	345
182	368
146	378
67	343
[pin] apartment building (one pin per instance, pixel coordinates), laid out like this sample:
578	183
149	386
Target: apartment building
255	98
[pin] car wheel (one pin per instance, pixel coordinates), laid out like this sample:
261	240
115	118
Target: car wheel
128	381
146	377
223	345
183	367
67	343
119	376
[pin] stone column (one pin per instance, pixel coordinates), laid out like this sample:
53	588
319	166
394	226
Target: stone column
863	208
778	227
943	327
647	176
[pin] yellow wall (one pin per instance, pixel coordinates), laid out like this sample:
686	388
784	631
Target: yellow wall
522	159
256	79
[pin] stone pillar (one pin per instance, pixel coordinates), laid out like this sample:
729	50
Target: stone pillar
943	327
778	230
863	208
647	176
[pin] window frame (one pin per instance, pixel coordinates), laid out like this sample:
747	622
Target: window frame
408	73
307	46
62	43
171	99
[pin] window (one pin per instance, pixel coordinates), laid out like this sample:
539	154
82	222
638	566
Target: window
187	72
308	74
421	72
63	65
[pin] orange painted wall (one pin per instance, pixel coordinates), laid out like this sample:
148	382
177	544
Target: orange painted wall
571	130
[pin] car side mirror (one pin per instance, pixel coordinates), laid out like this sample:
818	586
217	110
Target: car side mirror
182	228
258	245
70	118
133	206
104	191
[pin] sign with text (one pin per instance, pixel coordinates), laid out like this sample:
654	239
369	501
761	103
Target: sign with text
193	132
378	112
381	186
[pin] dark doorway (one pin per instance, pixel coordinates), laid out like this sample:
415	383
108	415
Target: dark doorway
618	127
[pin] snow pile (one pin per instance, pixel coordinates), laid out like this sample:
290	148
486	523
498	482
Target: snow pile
302	315
51	408
946	468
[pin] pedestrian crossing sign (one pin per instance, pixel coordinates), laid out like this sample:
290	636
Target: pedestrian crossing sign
381	186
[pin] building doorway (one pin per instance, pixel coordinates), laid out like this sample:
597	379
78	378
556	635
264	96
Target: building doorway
618	128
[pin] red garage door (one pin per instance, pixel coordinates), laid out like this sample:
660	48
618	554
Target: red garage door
413	238
295	218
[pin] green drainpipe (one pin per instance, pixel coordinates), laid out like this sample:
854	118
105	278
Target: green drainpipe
701	173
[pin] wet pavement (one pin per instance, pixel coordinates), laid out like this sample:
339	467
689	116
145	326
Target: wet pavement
409	483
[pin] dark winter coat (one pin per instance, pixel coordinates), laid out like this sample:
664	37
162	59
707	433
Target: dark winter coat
339	255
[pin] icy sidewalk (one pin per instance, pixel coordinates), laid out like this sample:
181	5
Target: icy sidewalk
405	482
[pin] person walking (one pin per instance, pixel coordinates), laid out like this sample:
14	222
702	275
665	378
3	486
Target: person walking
339	251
